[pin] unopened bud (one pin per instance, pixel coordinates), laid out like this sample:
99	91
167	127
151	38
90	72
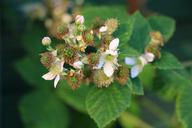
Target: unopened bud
79	19
46	41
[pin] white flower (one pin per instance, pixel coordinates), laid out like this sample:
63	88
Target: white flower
54	73
78	64
139	63
103	29
79	19
108	59
46	41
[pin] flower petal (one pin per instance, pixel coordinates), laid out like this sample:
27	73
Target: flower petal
114	44
135	70
78	64
109	68
100	64
56	80
49	76
149	56
114	53
130	61
103	29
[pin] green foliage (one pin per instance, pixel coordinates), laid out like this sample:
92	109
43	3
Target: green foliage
140	35
41	109
104	12
74	98
124	31
106	104
137	87
167	61
184	106
44	109
31	40
30	69
164	24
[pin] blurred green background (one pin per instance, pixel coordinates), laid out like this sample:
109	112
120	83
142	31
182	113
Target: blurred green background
13	24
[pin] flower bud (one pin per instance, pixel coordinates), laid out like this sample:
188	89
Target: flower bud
79	19
46	41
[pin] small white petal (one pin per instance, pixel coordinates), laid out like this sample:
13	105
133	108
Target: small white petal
114	53
149	56
49	76
78	64
130	61
60	65
56	80
114	44
135	70
109	69
100	64
103	29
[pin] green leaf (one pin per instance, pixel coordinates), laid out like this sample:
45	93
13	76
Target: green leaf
184	105
135	86
167	61
31	39
41	109
127	51
124	32
31	71
106	104
147	76
104	12
169	83
165	25
141	32
74	98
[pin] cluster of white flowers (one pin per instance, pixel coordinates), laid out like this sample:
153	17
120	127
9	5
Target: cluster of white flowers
107	57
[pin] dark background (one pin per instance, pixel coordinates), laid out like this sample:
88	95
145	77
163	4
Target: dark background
13	24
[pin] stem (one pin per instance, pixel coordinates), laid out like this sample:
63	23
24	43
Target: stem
155	110
187	63
127	119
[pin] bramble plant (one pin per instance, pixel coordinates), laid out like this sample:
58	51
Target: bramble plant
98	62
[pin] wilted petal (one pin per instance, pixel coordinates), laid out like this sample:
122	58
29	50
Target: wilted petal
149	56
56	80
49	76
130	61
109	69
135	70
114	44
78	64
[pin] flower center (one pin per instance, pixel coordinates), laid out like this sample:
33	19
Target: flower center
55	69
109	57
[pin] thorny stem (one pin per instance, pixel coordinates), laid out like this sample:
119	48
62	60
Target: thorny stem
127	119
